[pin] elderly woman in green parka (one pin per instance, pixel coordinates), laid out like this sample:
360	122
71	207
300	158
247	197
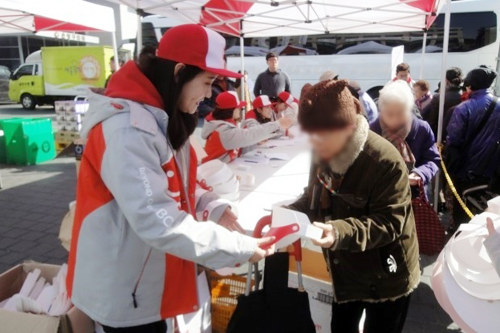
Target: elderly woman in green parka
359	195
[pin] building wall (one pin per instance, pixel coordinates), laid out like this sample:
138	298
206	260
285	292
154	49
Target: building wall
10	56
125	21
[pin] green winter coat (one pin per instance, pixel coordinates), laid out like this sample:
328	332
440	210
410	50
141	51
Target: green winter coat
375	254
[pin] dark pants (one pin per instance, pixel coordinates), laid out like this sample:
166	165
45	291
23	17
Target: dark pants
158	327
381	317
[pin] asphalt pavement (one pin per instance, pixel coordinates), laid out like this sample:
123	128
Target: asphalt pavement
34	200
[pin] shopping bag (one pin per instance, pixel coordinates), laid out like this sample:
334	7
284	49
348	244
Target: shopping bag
430	232
275	308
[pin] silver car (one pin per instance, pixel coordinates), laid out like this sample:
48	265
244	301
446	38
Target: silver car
4	83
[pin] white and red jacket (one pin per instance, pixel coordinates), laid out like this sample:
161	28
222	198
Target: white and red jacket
135	241
225	138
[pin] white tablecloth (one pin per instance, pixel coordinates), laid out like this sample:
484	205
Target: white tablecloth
276	182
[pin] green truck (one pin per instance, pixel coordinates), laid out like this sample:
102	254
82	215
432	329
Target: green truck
59	73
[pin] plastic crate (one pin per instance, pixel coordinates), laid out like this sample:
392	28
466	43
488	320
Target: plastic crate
225	291
29	150
20	127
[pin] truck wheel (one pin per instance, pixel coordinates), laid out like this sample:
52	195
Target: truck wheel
28	102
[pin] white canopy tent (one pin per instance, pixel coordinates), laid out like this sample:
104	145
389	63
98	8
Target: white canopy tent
262	18
255	18
30	16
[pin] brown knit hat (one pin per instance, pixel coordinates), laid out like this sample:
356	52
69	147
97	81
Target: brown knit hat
328	105
304	90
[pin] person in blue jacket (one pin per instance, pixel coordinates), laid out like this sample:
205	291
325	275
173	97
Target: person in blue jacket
479	154
411	136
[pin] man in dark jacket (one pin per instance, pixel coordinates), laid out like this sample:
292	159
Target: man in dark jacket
451	98
359	194
273	81
479	153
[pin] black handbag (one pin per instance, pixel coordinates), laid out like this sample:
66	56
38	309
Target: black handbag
454	156
275	308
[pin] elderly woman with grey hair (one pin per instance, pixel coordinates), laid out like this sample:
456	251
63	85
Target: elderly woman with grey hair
412	137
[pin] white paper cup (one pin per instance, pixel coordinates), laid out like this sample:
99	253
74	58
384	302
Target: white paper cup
248	179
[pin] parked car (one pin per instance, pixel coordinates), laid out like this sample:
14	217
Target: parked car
4	83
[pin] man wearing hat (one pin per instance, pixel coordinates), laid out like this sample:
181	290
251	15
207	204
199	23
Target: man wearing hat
474	136
273	80
359	194
225	138
452	98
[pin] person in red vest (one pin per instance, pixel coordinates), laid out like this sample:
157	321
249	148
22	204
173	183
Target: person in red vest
136	241
286	106
225	138
262	112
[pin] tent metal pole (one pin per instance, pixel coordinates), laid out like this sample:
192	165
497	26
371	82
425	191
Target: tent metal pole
422	60
139	33
20	48
497	84
115	51
442	90
243	83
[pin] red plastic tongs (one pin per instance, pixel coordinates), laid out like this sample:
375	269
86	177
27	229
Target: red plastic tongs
279	233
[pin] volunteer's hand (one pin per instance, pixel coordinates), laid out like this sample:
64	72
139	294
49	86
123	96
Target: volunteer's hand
285	123
229	221
328	235
490	226
414	179
261	253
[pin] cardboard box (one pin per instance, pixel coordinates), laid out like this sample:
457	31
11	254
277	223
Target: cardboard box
313	262
60	107
320	300
10	284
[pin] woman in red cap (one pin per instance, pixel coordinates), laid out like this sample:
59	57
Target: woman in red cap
135	242
225	138
262	112
286	106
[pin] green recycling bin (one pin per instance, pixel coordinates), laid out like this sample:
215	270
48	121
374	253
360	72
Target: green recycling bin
3	146
28	141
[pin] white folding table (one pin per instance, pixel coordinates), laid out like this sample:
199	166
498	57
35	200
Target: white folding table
276	182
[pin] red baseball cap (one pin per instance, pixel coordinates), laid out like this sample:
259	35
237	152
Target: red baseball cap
229	100
195	45
261	101
287	98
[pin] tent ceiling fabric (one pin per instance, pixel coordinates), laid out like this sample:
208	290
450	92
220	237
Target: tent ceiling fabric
54	15
261	18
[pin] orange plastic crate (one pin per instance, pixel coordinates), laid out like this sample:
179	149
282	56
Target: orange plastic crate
225	291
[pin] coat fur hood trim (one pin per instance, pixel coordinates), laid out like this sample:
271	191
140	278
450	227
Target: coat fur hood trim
341	163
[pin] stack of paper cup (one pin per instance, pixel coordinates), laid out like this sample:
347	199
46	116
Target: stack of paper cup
464	280
218	177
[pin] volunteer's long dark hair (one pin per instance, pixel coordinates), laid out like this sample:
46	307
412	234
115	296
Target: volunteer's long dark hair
161	73
260	118
222	114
